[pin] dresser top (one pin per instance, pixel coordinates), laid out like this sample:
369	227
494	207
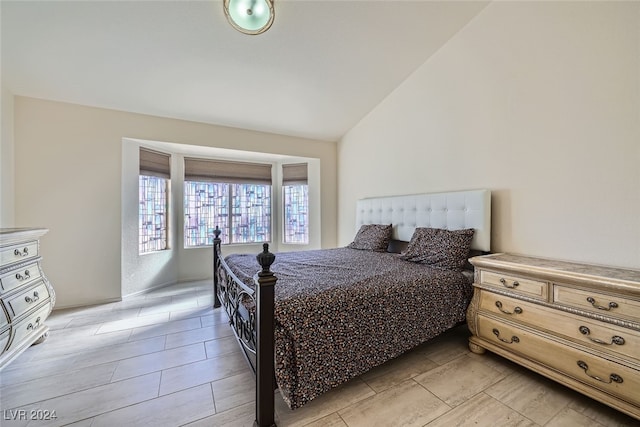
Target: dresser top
9	236
555	270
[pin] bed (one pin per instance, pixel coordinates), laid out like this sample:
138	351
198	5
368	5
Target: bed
309	321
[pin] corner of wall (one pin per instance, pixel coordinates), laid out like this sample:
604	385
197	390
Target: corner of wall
7	186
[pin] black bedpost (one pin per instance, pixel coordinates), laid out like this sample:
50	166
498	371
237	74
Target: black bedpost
216	265
264	340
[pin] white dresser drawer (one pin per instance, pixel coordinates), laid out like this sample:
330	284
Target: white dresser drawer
3	318
19	277
4	340
29	325
15	253
22	302
26	296
520	285
610	377
597	302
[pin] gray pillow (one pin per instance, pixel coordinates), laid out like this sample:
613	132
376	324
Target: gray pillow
439	248
372	237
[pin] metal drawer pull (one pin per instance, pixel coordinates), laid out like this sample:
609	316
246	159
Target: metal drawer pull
30	326
27	275
614	339
24	252
612	378
35	298
516	310
611	305
514	339
513	285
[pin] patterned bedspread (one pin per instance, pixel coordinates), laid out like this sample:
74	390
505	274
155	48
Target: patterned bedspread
340	312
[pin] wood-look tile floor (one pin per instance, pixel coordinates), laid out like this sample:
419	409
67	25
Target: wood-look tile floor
167	358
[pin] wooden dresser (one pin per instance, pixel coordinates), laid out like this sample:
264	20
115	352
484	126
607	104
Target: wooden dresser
26	296
577	324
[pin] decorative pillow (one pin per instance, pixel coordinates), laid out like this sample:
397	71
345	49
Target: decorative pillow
439	248
372	237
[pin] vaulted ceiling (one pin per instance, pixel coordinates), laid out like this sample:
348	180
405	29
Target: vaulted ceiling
321	67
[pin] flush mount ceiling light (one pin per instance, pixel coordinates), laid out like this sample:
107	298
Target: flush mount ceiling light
249	16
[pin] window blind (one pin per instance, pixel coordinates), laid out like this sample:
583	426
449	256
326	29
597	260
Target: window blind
294	173
226	171
155	163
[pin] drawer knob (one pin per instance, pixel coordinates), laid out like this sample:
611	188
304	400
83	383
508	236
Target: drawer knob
24	252
614	339
509	285
514	339
613	378
516	310
24	276
31	326
35	298
595	304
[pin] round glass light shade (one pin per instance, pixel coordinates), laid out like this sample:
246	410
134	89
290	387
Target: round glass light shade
249	16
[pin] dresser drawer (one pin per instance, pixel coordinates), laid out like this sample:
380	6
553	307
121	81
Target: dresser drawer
610	377
589	332
15	253
597	302
28	325
4	320
21	302
19	277
4	340
533	288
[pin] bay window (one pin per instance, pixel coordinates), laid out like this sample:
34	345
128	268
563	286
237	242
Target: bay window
295	195
235	196
153	189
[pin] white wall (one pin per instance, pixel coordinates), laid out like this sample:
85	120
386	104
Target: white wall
140	273
6	160
68	178
539	102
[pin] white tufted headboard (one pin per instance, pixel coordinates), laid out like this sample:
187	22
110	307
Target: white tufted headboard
451	211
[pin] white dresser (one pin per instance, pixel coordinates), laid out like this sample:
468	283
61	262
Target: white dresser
577	324
26	296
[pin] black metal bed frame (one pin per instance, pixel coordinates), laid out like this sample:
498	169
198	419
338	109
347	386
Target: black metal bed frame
251	316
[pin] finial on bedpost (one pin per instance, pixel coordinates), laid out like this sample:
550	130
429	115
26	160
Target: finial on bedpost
217	233
265	259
